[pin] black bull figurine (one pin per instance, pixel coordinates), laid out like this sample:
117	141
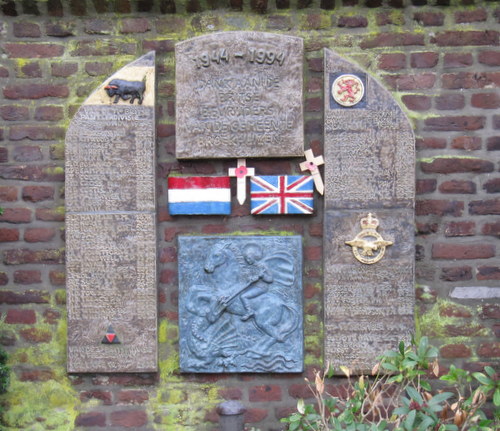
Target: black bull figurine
126	90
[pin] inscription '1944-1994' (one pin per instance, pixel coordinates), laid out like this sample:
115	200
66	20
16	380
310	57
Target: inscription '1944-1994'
239	94
252	55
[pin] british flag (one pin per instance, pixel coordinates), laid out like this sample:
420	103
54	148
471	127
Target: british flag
281	195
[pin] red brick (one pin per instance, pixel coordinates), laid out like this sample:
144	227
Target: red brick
27	276
466	80
4	72
464	330
489	350
408	82
284	412
133	396
265	393
489	58
97	68
254	415
36	375
429	19
35	91
458	123
26	297
22	256
231	393
455	351
26	29
417	102
439	207
451	165
430	143
165	130
38	193
492	186
4	279
51	316
129	418
14	113
450	102
459	273
214	229
9	235
490	311
167	276
392	39
391	62
300	391
8	194
63	70
460	228
104	396
27	153
454	311
426	228
33	50
163	46
32	172
424	60
465	38
98	26
425	186
352	21
135	25
60	29
34	335
466	143
29	70
458	186
455	59
462	251
485	207
91	419
89	48
49	113
314	104
36	133
4	152
313	253
466	16
19	316
489	272
496	121
394	18
40	234
57	278
16	215
485	100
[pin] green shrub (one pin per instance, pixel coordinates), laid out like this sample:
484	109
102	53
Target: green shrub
399	397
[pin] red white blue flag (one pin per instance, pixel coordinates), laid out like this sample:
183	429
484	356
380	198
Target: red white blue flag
199	195
281	195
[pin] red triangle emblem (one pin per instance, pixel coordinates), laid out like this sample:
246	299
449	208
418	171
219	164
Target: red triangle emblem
110	337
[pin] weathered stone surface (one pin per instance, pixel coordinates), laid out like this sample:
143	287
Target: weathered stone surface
239	94
240	304
475	292
111	225
369	168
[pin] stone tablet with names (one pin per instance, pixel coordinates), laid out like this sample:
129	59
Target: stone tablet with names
111	225
368	220
239	94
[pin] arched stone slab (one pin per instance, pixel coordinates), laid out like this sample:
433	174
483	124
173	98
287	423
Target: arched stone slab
239	94
111	225
369	169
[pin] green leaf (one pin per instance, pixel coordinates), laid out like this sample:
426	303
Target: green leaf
294	426
422	347
414	395
439	398
402	347
426	385
389	367
427	422
410	420
496	397
481	378
400	411
490	371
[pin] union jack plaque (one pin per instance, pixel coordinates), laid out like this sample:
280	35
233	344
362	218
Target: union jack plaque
281	195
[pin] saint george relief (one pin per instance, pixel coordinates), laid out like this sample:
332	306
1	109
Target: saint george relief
240	304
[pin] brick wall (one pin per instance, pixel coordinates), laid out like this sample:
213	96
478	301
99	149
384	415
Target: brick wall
441	61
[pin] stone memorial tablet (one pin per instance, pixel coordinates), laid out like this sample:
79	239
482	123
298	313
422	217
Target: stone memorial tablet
111	225
240	304
368	221
239	94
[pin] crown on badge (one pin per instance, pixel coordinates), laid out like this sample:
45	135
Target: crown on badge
369	222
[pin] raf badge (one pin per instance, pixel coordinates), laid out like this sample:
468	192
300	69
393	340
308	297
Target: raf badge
368	246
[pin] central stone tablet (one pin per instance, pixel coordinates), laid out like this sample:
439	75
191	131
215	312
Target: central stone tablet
240	304
239	94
